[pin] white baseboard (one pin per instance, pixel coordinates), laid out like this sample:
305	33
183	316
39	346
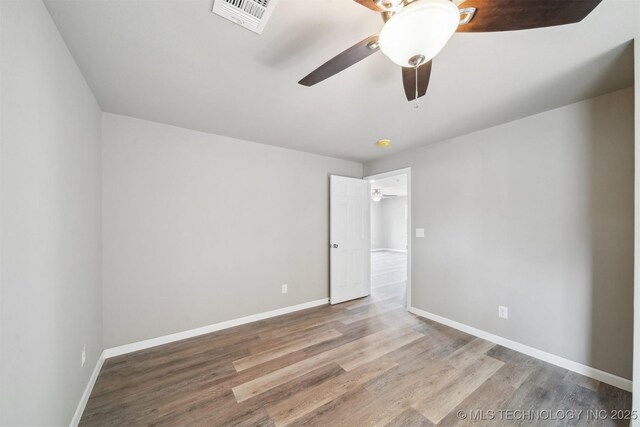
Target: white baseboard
389	250
87	392
579	368
165	339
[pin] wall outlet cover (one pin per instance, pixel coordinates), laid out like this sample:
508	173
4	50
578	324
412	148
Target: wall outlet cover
285	288
503	312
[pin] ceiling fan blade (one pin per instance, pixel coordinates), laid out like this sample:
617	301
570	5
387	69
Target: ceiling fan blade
369	4
409	80
354	54
510	15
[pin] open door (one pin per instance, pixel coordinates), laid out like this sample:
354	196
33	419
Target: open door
349	238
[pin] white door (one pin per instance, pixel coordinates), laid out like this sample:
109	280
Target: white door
350	232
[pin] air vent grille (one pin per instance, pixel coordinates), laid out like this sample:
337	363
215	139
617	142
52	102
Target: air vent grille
251	14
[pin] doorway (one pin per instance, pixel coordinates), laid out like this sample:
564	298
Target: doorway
390	236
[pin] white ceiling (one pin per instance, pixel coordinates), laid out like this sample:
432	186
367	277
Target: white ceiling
396	184
176	62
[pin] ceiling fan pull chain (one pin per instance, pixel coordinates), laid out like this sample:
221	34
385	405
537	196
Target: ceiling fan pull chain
417	102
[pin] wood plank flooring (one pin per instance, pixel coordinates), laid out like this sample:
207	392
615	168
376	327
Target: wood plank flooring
364	362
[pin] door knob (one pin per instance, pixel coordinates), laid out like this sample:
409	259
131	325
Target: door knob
334	246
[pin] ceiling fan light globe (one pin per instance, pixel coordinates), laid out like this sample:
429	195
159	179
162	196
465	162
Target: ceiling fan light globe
421	28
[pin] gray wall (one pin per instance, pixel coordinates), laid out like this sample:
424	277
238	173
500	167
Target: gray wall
377	235
395	223
388	224
50	219
537	215
636	318
200	228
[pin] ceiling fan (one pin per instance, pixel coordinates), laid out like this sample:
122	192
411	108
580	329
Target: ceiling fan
377	195
414	31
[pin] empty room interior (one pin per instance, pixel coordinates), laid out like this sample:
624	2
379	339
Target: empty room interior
319	212
389	216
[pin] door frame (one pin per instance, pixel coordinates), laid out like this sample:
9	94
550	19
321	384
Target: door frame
394	172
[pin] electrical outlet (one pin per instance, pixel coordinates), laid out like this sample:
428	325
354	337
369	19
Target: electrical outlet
84	355
503	312
285	288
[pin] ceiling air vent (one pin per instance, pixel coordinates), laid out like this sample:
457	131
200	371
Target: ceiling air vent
251	14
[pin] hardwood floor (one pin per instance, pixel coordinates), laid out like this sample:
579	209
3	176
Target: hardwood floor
364	362
388	273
